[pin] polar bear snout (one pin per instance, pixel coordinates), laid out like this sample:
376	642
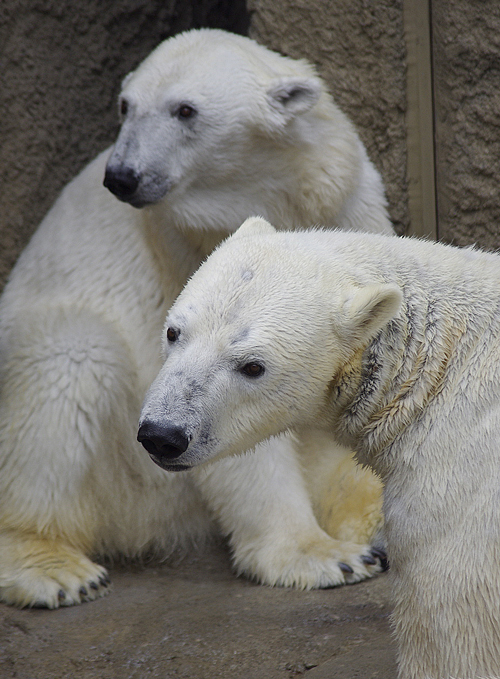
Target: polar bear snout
164	442
121	181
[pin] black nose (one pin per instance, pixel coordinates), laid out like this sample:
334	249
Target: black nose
123	182
163	441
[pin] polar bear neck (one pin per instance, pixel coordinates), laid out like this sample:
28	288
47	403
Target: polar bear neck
176	250
387	386
402	371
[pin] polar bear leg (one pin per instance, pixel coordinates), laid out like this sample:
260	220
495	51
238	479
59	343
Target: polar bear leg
41	572
65	381
261	501
346	497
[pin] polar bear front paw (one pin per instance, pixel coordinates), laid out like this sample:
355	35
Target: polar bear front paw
39	573
375	561
317	563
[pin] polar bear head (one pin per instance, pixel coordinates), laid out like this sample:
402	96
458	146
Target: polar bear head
253	345
193	112
222	128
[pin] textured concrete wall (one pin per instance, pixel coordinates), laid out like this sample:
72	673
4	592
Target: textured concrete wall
61	64
466	57
359	48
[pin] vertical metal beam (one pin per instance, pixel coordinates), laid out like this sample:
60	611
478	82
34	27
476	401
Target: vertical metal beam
420	119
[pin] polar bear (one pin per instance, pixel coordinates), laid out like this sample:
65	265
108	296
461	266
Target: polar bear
214	129
392	346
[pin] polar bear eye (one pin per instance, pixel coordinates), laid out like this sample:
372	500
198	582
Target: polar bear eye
253	369
186	111
172	334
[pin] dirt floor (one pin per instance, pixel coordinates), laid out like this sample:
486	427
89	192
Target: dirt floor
197	620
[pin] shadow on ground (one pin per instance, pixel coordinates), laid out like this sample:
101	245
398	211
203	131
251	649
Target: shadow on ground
198	621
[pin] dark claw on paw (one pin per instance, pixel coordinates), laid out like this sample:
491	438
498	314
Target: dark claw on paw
380	554
344	567
94	586
103	582
61	595
82	591
368	560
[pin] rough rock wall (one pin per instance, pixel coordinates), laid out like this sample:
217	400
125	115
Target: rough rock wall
359	48
466	64
61	65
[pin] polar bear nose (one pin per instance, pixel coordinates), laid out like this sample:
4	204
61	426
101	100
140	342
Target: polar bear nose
163	441
123	182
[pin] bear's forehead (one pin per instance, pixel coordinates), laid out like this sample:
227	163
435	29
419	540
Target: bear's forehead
211	56
235	276
186	65
240	336
208	82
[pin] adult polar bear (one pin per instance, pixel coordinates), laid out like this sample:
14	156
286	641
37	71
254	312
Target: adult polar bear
392	345
215	128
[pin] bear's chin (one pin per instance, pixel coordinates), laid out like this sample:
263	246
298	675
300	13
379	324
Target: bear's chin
138	202
145	195
169	467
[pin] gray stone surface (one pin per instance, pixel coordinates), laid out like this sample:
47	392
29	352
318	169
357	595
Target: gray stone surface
466	56
196	620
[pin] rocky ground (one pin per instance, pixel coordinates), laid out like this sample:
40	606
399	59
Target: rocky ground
197	620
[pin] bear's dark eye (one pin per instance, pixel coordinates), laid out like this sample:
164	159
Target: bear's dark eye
186	111
124	107
253	369
172	334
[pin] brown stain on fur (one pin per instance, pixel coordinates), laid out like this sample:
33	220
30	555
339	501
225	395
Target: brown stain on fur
424	384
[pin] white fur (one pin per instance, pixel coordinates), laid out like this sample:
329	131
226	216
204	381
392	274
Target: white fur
391	345
81	318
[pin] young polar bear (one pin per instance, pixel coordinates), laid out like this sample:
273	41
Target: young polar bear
214	128
391	345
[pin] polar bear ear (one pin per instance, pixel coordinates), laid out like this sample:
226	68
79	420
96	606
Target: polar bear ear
254	226
127	79
368	310
291	97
